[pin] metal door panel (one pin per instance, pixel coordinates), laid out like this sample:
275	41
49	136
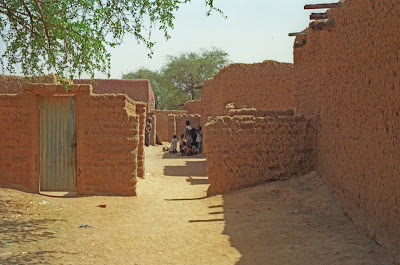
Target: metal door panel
57	143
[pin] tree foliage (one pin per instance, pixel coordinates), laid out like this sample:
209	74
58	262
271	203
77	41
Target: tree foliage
188	70
175	82
166	95
71	37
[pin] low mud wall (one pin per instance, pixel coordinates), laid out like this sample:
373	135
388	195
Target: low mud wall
137	89
246	150
107	140
10	84
350	78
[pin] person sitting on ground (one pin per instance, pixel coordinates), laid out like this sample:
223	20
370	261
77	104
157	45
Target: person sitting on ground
186	150
174	144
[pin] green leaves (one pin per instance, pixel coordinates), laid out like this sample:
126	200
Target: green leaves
175	82
71	37
189	70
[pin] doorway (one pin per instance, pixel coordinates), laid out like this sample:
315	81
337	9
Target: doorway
57	158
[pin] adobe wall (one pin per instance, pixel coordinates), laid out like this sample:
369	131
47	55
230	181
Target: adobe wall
193	107
267	85
18	140
138	89
10	84
350	77
107	135
245	150
141	111
162	123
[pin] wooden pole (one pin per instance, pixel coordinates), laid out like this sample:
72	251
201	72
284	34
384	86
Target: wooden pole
297	33
318	16
319	6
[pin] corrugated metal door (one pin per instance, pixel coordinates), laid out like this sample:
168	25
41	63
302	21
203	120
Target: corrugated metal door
57	143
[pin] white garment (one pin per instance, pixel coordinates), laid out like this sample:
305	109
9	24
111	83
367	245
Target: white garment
174	143
199	137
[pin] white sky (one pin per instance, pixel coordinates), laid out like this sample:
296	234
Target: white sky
255	30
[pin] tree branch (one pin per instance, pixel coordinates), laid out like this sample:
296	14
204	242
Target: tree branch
44	25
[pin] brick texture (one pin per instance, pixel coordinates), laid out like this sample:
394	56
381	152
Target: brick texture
193	107
138	89
19	141
162	123
350	77
107	135
13	84
267	85
246	150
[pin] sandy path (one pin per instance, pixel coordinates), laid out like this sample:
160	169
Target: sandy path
171	222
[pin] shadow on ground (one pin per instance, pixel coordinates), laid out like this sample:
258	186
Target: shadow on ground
295	222
15	231
178	155
190	169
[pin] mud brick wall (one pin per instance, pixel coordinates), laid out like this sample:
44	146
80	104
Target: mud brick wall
206	101
246	150
172	125
107	134
193	107
141	111
138	89
268	85
181	123
350	77
107	157
260	113
163	124
10	84
18	141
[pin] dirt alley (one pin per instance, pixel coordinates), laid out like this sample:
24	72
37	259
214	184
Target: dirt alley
172	222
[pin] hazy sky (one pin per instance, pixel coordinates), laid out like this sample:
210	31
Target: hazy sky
255	30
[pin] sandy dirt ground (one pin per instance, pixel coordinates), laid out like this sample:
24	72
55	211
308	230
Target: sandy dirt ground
171	221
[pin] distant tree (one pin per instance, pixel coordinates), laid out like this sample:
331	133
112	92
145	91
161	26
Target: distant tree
188	70
174	84
71	37
166	95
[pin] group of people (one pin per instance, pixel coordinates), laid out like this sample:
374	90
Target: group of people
190	143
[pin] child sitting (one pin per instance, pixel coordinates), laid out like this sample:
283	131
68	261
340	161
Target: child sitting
174	144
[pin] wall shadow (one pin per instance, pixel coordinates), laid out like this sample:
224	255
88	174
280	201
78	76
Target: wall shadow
190	169
178	155
296	221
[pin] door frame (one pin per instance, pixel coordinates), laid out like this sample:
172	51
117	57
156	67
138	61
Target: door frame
73	151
